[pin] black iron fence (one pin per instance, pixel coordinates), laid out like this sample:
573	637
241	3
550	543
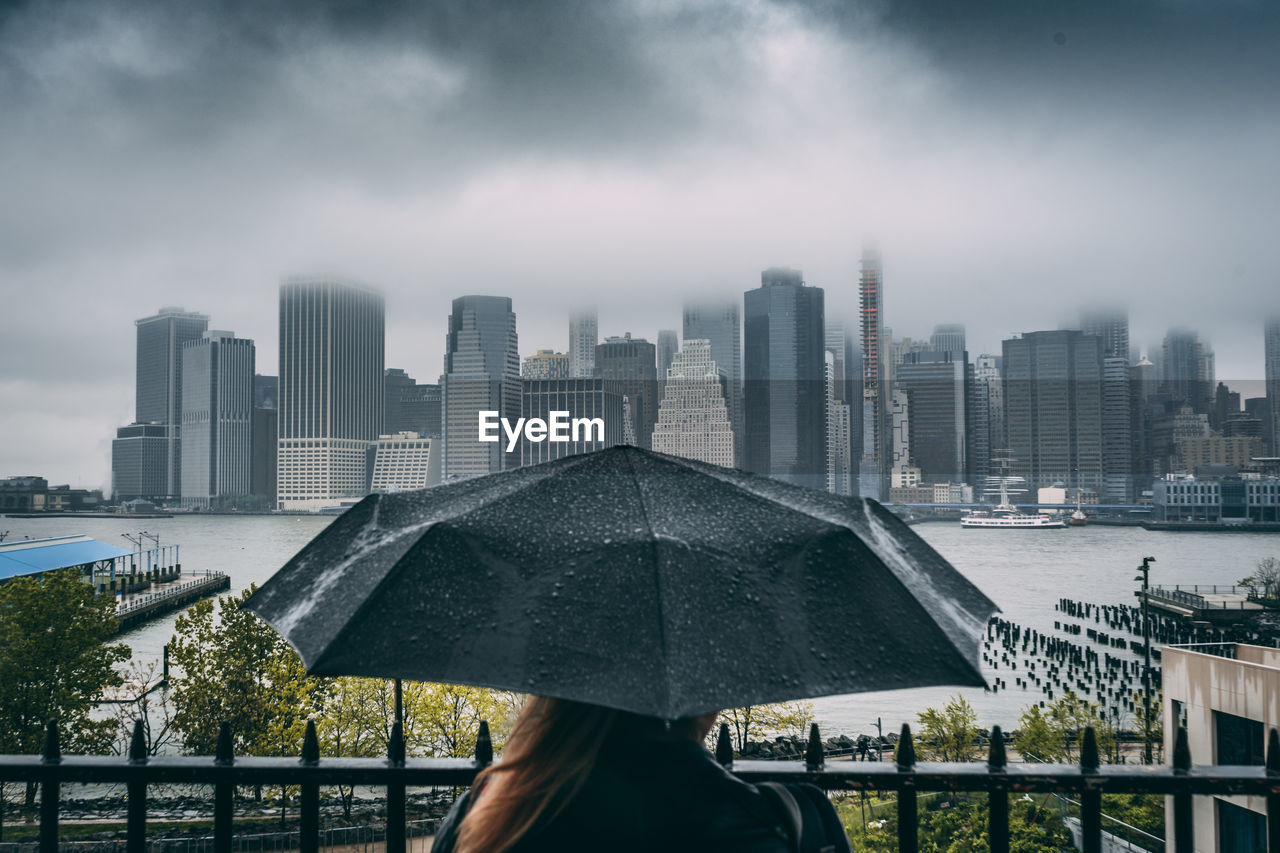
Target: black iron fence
1086	783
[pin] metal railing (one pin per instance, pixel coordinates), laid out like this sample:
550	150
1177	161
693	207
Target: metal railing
1197	601
1086	782
141	602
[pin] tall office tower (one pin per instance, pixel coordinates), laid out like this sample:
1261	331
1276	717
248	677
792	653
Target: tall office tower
1271	375
266	391
668	346
1260	408
978	444
584	336
545	364
949	337
986	378
481	373
1144	382
871	468
841	343
1117	429
633	364
839	451
900	431
937	389
159	398
217	420
395	383
262	478
410	406
1188	370
785	394
588	399
140	463
1226	405
1110	324
720	323
331	390
693	418
1053	408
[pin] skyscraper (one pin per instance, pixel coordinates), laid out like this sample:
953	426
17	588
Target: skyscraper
785	367
1187	370
873	464
1053	407
1117	428
839	449
159	393
482	373
948	337
581	398
217	420
1271	374
331	390
633	365
545	364
584	335
668	346
693	418
1110	324
937	389
720	324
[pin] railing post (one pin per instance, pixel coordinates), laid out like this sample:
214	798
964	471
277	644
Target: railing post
309	823
814	757
1273	799
395	791
998	794
136	826
1090	797
1182	828
724	746
484	745
50	790
908	828
223	793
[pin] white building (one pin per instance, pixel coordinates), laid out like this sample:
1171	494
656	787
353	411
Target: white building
404	462
217	419
693	418
331	391
584	334
1228	697
839	449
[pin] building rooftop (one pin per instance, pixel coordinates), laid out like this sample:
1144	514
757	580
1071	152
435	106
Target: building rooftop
33	556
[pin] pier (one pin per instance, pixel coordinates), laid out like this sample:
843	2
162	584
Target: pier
1205	603
162	598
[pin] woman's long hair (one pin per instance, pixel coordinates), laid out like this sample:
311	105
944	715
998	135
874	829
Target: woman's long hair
549	755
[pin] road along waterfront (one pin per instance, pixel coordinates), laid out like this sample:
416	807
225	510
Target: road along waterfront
1024	573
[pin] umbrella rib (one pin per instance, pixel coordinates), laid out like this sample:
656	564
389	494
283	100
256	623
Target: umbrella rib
657	578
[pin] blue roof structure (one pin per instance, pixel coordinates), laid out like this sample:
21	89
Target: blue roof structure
33	556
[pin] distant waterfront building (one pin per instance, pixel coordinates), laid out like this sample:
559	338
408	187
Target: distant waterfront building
1188	366
331	390
633	364
410	406
720	323
217	420
581	398
900	433
1117	430
545	364
937	389
785	365
1231	499
987	380
668	346
1053	408
873	466
693	418
839	451
1198	453
1271	373
262	478
584	336
1260	408
140	463
158	401
404	462
482	373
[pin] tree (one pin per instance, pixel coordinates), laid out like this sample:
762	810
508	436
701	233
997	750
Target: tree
1267	572
139	703
231	666
952	733
1038	737
792	718
55	663
1055	733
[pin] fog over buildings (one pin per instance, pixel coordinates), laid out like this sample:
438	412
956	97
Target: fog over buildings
1013	162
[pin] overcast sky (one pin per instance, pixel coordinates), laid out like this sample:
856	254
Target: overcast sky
1013	161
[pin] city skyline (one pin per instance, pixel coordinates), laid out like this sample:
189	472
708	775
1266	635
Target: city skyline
1011	162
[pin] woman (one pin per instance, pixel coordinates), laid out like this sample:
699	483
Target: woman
582	777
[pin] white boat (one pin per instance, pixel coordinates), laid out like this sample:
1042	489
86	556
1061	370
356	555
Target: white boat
1004	514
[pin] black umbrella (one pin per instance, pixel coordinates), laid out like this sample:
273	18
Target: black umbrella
633	580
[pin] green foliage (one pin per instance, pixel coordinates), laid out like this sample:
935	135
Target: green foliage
1038	737
1055	734
54	663
950	734
777	718
232	666
1145	811
948	826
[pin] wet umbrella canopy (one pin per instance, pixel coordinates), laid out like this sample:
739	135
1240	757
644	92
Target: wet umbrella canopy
633	580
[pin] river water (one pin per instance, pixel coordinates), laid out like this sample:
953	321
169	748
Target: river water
1024	572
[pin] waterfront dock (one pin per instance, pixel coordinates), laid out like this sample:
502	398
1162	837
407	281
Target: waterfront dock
1205	603
161	598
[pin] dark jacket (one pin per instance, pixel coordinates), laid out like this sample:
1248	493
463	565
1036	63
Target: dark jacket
661	797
